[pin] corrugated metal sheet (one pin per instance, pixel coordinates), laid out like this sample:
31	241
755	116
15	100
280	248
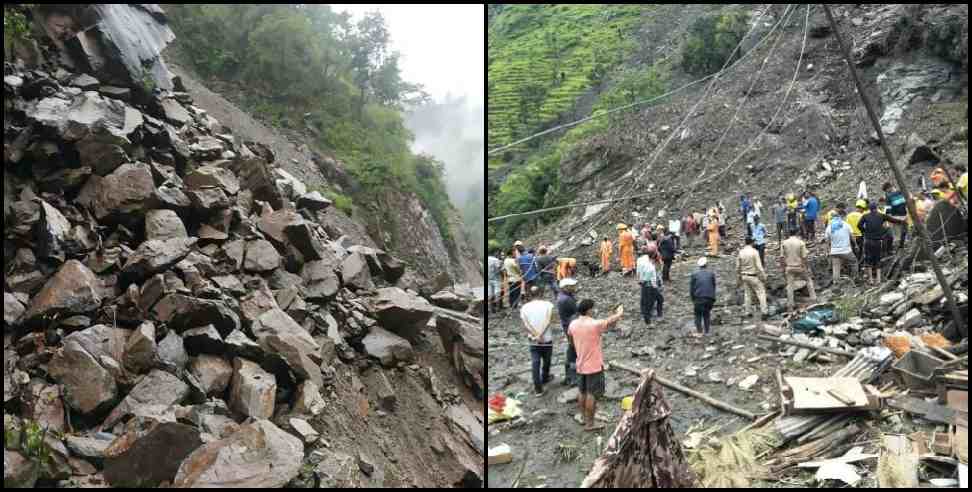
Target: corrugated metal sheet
865	367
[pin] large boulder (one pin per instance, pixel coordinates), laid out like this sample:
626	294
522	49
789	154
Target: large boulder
321	283
123	194
259	455
74	289
279	335
162	225
53	233
147	457
252	390
449	300
118	43
389	348
274	224
89	387
159	388
182	312
156	256
140	350
401	313
465	343
13	310
212	372
261	257
19	472
212	176
307	242
356	273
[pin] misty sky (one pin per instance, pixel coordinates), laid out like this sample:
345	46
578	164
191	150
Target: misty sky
443	48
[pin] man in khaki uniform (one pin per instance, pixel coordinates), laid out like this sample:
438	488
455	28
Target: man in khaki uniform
795	265
751	276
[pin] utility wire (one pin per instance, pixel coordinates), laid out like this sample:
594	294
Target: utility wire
573	205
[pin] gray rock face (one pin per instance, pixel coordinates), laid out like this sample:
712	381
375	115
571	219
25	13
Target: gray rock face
162	225
140	351
146	458
13	310
125	43
156	256
212	176
174	112
89	387
320	281
89	448
172	353
305	240
902	83
308	400
261	256
18	471
278	334
355	272
158	388
465	343
259	455
240	345
252	390
314	201
208	199
73	290
53	232
449	300
213	372
204	340
388	348
274	224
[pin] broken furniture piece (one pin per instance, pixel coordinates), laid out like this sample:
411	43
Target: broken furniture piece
827	395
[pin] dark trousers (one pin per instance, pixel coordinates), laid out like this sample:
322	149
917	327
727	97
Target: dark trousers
667	269
649	297
811	228
541	363
779	232
703	312
548	280
570	364
761	248
514	290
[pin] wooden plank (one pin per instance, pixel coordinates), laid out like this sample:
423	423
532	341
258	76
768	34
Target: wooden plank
688	391
795	343
844	459
811	394
921	408
898	464
961	443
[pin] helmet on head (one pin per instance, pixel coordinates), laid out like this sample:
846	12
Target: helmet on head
861	204
622	227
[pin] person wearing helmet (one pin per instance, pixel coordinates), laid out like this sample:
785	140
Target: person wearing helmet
626	241
702	289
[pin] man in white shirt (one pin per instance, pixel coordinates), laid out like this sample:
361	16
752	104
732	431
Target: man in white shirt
839	234
536	316
650	281
495	269
675	229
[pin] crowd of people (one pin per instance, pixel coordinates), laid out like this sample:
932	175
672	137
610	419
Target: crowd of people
858	238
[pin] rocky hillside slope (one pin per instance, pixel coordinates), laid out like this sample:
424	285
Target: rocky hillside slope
913	59
172	297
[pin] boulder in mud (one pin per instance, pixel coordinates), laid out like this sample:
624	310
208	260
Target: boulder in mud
146	457
74	289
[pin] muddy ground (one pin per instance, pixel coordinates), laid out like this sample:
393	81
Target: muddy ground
733	352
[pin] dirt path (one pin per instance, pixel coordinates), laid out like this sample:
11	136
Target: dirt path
286	149
733	354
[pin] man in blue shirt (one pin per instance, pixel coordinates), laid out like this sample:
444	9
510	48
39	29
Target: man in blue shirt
759	239
529	268
810	215
744	207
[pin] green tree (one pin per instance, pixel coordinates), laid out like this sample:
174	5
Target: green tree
368	48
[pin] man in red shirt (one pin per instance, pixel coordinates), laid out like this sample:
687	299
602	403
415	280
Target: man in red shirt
585	333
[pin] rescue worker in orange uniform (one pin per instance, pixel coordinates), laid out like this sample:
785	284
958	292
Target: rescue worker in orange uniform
714	221
626	240
606	247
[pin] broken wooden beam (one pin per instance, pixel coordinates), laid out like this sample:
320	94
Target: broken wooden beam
898	464
688	391
815	449
810	346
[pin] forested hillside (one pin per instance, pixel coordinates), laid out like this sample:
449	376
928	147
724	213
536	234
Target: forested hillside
310	69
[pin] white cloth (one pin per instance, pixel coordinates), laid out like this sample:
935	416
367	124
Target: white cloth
840	241
675	226
862	190
536	315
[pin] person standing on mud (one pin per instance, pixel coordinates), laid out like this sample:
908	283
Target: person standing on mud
606	255
495	268
546	265
795	266
536	316
567	310
759	239
650	283
751	277
714	229
779	217
514	278
702	288
841	251
585	332
667	249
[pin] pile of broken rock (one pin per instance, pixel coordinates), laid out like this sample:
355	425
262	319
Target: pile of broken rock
167	288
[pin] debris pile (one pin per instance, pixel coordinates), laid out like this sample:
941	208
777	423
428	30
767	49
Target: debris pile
167	288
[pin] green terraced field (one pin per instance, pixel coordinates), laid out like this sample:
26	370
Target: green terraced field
530	46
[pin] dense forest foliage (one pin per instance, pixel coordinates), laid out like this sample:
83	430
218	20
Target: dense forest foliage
310	68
